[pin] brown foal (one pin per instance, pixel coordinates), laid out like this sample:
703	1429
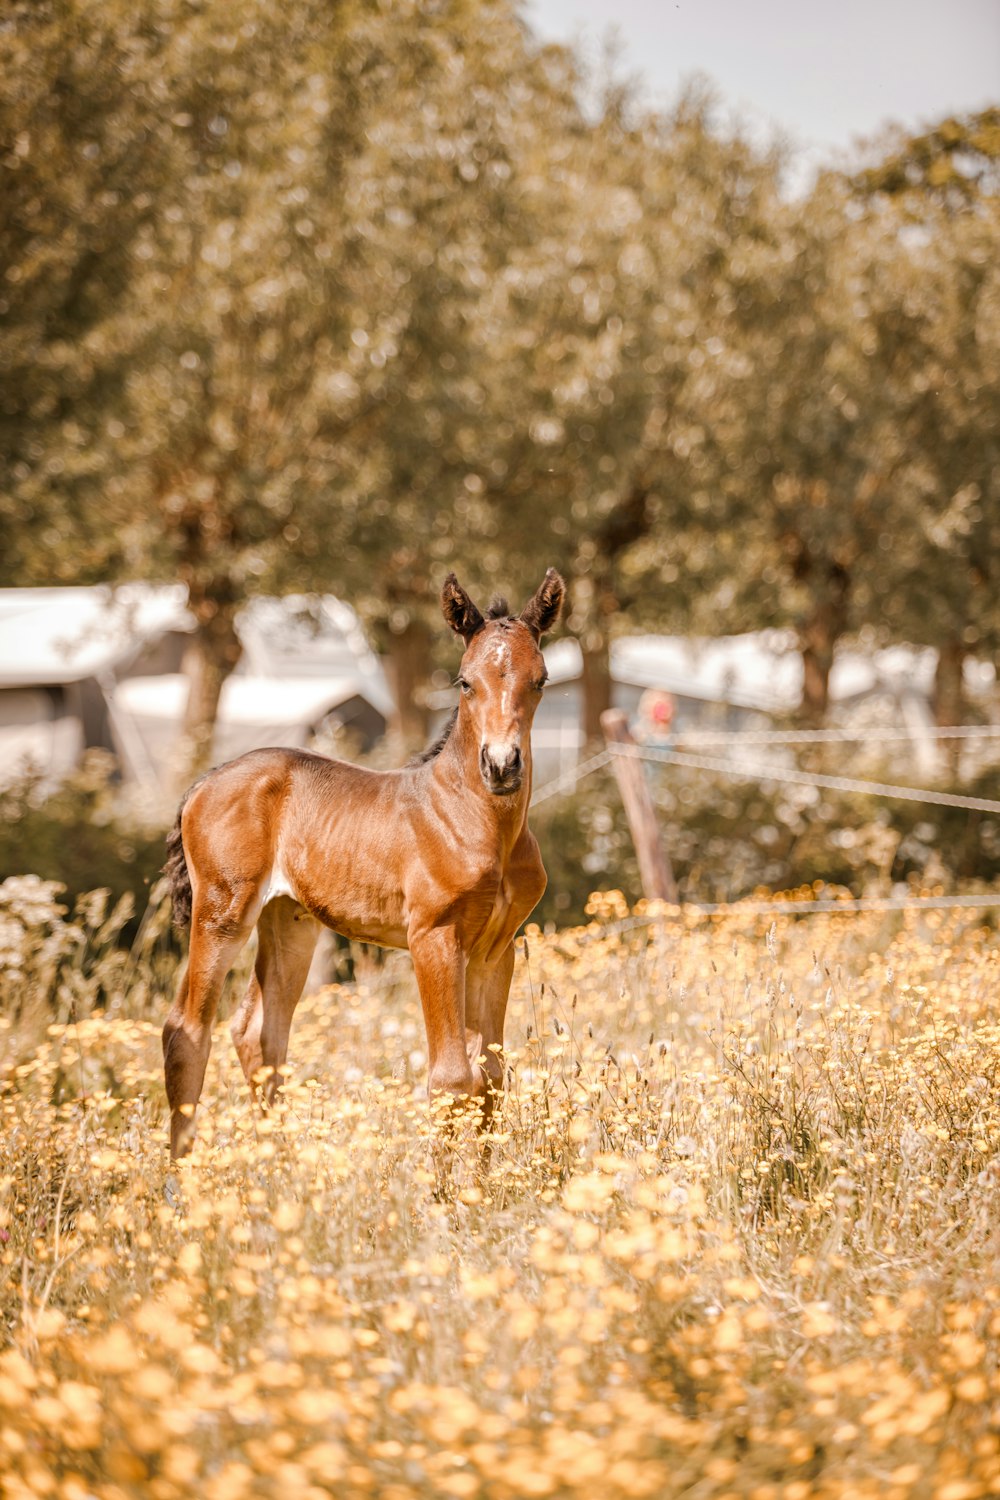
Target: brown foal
436	857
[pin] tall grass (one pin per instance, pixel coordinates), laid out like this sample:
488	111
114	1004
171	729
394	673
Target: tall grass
737	1236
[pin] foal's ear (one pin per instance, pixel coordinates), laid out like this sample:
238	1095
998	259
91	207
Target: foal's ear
459	610
542	611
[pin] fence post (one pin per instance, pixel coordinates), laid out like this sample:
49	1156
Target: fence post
654	867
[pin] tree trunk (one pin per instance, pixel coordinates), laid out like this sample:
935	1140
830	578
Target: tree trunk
949	696
818	639
409	671
211	655
949	702
595	680
595	601
817	660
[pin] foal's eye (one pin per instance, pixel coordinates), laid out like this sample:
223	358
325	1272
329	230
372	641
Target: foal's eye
463	684
540	684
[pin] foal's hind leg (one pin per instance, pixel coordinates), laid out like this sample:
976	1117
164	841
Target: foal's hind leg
286	941
245	1028
187	1032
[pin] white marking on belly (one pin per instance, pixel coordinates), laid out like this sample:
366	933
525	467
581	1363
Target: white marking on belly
278	884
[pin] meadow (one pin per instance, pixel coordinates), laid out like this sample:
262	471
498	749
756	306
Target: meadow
738	1234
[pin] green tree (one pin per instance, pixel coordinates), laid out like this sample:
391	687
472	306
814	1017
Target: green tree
790	441
839	420
463	188
257	353
935	323
608	465
951	166
189	360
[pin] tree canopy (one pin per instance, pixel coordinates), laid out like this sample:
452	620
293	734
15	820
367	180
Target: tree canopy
340	296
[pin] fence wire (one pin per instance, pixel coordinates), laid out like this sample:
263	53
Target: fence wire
569	780
784	774
796	908
881	734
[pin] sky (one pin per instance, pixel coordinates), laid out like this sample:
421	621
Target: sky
822	74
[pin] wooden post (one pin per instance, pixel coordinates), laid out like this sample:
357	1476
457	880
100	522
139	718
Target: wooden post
654	867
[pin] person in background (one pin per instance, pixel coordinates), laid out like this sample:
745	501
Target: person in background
654	719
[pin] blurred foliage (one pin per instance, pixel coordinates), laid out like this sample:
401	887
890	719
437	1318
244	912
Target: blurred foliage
729	839
586	846
952	164
81	836
56	964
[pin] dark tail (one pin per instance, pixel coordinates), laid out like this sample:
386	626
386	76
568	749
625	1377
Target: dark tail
178	876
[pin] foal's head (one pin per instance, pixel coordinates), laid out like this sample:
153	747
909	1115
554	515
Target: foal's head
502	674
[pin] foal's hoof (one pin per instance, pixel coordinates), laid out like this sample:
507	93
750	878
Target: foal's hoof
182	1132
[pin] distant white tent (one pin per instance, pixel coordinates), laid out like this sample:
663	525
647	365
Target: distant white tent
760	671
730	681
56	636
92	666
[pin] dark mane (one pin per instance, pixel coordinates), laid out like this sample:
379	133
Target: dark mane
499	608
434	750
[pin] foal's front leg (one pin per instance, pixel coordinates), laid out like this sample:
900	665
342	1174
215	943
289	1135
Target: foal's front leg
439	963
487	988
496	989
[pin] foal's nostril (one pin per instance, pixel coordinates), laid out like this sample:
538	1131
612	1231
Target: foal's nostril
500	765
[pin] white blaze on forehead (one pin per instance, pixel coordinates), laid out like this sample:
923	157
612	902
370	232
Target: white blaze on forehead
500	650
499	657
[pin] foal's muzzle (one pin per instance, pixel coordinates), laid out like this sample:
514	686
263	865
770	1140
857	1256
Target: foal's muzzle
505	778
